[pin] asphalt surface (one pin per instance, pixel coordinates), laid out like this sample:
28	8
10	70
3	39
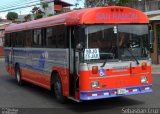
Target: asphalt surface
30	99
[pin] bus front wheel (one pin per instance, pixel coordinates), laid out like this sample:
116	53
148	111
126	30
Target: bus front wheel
58	89
18	75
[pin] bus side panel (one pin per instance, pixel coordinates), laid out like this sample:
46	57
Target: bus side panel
42	80
9	62
29	60
37	64
19	56
28	64
59	59
33	69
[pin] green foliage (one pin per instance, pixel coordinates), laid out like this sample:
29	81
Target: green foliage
37	12
158	28
77	8
124	2
28	17
49	15
12	16
44	5
38	15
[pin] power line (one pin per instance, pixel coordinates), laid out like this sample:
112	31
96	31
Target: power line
19	5
10	3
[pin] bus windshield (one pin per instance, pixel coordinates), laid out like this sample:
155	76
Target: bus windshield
118	42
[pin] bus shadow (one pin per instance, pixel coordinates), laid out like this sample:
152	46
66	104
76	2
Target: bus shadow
87	106
103	104
41	92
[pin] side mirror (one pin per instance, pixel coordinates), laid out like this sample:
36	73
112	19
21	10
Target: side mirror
79	47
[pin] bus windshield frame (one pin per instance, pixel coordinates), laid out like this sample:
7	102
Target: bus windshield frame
118	42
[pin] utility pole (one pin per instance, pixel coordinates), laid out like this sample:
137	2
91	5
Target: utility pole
145	5
20	17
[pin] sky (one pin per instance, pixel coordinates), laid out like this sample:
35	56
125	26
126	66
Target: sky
10	3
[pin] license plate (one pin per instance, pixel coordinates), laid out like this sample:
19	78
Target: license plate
121	91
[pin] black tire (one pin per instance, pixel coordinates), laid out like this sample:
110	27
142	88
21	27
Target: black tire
18	75
58	92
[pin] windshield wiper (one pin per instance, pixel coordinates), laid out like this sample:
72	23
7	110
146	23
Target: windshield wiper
132	55
106	61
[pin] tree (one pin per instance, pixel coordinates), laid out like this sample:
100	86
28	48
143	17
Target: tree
44	5
12	16
37	12
28	17
39	15
49	15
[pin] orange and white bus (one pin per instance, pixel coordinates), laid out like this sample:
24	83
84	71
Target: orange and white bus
87	54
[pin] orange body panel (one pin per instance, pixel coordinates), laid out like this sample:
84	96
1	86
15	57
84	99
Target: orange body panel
36	78
114	79
10	70
99	15
64	75
42	79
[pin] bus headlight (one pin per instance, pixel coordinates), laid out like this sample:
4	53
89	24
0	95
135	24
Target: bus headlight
144	79
95	84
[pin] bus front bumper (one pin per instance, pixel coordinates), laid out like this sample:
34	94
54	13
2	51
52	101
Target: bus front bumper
92	95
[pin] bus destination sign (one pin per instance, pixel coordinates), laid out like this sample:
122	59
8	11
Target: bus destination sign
116	16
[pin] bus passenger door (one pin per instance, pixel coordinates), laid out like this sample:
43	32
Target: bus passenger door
74	61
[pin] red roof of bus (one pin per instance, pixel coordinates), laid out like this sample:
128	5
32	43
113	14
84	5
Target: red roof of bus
99	15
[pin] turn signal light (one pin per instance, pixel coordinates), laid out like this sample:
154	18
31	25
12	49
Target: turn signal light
94	69
144	66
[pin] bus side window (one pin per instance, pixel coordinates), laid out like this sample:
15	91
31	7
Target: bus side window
18	36
13	39
37	38
61	37
28	38
51	37
7	40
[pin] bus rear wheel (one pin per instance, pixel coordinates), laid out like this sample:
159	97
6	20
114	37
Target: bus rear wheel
18	75
58	89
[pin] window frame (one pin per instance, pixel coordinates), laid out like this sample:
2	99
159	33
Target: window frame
19	35
55	34
33	36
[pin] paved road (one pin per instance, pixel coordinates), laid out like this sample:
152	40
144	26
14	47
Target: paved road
30	96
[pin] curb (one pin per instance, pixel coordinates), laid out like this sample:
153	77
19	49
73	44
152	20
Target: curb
1	59
155	72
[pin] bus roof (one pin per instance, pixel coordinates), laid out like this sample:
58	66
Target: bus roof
98	15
